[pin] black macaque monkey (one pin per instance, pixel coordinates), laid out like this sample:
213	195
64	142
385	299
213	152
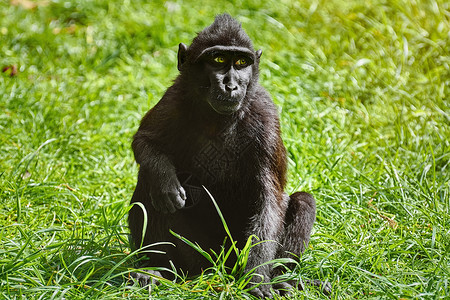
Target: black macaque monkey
216	127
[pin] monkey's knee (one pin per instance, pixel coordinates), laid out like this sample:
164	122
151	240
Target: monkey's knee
302	202
301	210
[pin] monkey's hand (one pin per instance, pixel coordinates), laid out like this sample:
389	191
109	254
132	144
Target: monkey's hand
168	196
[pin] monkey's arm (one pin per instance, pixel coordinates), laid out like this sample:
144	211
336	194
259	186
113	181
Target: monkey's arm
267	220
157	172
266	224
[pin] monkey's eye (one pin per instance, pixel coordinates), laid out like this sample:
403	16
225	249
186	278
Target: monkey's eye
241	62
219	59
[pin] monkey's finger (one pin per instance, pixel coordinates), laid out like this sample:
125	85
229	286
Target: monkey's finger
182	193
257	293
178	201
173	201
142	279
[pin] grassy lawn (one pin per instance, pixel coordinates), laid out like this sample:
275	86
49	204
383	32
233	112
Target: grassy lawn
363	92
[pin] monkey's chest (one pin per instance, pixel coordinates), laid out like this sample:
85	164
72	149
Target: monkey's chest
218	164
216	160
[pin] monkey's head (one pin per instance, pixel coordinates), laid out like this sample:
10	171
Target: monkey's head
220	65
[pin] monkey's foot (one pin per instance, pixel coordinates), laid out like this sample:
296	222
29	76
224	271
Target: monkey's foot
147	277
262	291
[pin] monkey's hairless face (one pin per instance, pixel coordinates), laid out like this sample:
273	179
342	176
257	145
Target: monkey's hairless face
229	72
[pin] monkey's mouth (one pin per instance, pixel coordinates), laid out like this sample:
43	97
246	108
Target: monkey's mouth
225	106
225	102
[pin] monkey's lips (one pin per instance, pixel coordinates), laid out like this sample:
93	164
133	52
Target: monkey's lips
226	106
224	102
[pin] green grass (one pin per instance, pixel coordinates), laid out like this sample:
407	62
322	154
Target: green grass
363	92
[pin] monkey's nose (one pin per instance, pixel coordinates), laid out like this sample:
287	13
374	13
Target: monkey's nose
230	87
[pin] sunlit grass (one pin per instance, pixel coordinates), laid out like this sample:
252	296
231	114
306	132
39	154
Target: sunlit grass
362	89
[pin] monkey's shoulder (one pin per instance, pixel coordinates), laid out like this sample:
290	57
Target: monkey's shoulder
262	113
261	103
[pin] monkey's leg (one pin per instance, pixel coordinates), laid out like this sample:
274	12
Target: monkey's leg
145	236
299	220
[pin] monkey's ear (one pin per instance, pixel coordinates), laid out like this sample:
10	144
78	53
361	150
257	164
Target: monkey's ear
182	51
258	53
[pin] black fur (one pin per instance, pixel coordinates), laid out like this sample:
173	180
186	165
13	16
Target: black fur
183	143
